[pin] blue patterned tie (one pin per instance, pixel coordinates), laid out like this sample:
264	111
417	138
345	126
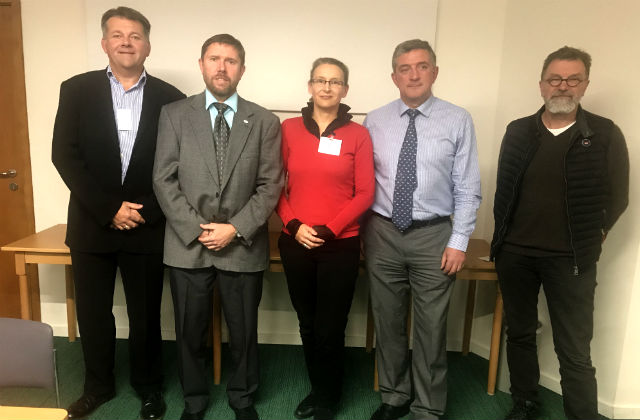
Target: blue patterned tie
220	136
406	178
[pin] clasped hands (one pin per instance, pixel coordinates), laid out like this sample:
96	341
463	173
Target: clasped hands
216	236
128	217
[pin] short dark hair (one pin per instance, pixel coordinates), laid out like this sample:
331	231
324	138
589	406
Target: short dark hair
328	60
570	54
126	13
224	39
412	44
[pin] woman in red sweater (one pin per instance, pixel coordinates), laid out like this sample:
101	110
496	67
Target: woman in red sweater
328	160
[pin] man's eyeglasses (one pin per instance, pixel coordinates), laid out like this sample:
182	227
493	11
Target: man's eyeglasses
322	82
571	82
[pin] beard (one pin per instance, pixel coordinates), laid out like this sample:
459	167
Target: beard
561	104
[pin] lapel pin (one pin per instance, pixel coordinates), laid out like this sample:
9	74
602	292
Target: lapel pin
246	122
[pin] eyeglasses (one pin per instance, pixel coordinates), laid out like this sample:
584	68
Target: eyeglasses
571	82
322	82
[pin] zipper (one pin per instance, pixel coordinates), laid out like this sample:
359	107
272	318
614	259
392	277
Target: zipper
576	272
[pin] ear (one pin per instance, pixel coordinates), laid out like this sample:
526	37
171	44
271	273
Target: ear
394	77
345	91
103	43
242	71
309	88
200	64
435	72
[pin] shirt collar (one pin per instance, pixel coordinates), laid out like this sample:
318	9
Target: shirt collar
232	101
142	80
424	108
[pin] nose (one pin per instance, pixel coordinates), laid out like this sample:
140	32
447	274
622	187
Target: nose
326	86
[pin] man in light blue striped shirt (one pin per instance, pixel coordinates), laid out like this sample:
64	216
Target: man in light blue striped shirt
425	151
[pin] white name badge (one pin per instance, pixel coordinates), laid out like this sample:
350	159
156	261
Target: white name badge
124	118
329	146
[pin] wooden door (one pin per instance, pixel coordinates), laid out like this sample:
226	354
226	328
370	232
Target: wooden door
16	191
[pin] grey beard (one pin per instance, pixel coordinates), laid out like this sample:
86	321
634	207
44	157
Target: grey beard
561	105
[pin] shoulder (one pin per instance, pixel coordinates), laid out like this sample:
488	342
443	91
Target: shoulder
449	109
382	112
86	80
258	111
527	123
292	123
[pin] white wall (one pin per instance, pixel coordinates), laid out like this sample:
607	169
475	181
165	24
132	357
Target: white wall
489	53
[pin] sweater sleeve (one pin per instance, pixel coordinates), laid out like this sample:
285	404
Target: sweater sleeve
618	167
364	188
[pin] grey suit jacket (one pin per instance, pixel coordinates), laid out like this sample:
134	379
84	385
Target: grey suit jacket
185	181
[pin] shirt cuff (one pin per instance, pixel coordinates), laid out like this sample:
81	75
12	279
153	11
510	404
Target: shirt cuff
458	241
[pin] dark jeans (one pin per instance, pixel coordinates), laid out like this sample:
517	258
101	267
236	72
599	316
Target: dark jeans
321	283
570	304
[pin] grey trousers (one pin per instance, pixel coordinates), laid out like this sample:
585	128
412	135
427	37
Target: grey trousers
192	292
401	265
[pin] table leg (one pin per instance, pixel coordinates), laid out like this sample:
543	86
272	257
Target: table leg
25	298
468	317
494	352
71	303
370	330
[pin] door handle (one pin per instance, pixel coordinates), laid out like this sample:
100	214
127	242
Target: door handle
11	173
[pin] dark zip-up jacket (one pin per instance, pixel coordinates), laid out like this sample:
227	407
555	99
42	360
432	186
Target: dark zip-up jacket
596	174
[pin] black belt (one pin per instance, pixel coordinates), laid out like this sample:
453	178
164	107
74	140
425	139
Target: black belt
419	223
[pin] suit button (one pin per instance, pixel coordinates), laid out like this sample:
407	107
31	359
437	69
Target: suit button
217	194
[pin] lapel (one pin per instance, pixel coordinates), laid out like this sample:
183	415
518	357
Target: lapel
146	113
242	125
104	107
201	124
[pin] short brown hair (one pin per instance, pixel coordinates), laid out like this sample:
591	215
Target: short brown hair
126	13
224	39
410	45
570	54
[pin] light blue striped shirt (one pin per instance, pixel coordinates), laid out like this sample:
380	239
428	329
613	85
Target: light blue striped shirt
447	163
229	113
132	100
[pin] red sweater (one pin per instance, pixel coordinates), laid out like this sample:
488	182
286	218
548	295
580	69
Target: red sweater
324	189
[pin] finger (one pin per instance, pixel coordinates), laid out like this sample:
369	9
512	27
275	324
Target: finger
134	206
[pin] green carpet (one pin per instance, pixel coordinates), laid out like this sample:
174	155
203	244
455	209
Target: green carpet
283	384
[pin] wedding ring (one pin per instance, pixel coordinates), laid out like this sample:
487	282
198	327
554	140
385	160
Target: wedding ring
306	246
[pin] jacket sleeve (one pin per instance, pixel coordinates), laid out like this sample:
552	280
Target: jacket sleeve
67	157
183	218
618	168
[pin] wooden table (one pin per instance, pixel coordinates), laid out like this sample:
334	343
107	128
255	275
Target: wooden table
31	413
45	247
475	269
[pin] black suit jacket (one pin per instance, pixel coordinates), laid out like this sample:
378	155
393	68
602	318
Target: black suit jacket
86	153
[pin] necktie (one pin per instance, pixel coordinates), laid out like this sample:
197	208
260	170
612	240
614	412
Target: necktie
220	136
406	178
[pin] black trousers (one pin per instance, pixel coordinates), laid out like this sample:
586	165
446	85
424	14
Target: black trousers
570	303
321	283
142	277
192	291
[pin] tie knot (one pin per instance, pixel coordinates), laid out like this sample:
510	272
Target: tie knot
412	113
221	107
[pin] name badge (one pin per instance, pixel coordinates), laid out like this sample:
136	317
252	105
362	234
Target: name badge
329	146
124	118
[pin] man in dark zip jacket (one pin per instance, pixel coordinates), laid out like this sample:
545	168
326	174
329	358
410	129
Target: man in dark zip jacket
563	181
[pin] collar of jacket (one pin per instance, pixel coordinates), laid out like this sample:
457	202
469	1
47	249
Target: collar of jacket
310	124
581	122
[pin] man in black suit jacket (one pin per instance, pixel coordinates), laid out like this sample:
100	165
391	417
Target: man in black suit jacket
104	144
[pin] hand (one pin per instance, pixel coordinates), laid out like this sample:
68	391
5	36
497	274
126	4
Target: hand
307	237
452	260
127	217
216	236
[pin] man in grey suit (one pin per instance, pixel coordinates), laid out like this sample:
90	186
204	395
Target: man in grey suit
217	176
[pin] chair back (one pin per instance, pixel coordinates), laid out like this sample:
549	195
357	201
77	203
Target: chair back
26	354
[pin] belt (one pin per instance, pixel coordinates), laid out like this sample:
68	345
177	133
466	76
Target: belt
419	223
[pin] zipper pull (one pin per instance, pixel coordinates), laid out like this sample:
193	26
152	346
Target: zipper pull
575	270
